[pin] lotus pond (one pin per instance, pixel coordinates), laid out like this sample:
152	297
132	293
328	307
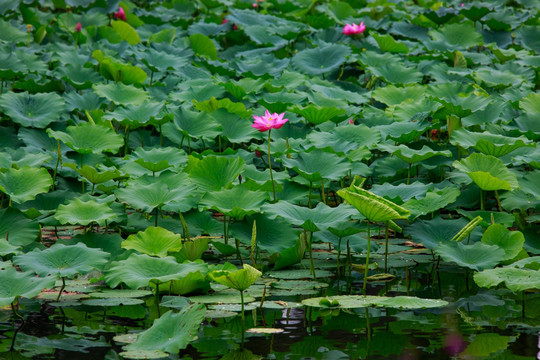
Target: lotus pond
277	179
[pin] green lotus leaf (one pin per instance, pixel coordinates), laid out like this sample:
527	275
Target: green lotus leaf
531	104
192	249
154	241
388	44
488	172
240	279
203	45
17	228
6	248
402	192
373	207
79	212
527	196
79	76
191	123
87	138
63	261
433	201
454	37
318	164
362	301
10	33
496	78
234	128
148	193
510	241
320	217
345	138
138	115
24	184
321	60
458	98
273	235
396	73
32	110
514	279
121	94
192	283
411	156
232	107
477	256
436	231
95	177
113	70
319	114
392	95
15	284
488	143
214	173
171	332
139	271
158	159
236	202
126	32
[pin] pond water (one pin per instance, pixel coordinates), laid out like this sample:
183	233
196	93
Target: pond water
477	323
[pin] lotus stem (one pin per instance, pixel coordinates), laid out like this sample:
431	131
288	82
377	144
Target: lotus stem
309	196
160	137
367	257
81	165
481	199
157	300
126	135
498	200
349	259
322	191
13	308
61	289
523	304
270	165
225	237
243	316
237	243
58	161
386	250
311	266
409	174
338	255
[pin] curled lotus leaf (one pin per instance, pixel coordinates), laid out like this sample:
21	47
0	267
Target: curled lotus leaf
488	172
240	279
373	207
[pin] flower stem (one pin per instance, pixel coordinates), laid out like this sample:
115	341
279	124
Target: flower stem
270	166
367	257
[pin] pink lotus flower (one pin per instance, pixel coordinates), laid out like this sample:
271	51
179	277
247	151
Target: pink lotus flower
120	14
224	21
78	27
353	29
269	121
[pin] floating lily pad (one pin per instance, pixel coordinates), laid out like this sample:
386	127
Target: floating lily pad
298	274
265	330
112	293
112	302
361	301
